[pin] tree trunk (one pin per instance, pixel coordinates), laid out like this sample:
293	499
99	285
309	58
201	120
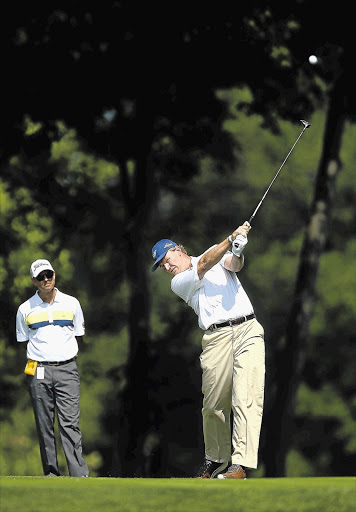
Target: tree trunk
134	417
135	406
280	420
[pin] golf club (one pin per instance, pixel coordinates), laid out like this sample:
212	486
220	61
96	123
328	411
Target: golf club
306	125
240	241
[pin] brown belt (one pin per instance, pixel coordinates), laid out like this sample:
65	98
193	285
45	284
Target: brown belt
237	321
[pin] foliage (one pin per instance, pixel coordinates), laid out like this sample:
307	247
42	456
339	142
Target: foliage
155	127
270	265
273	269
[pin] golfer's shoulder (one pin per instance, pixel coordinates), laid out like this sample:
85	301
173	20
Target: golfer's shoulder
30	303
66	298
185	280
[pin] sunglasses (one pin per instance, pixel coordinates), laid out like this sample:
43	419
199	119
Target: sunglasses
47	273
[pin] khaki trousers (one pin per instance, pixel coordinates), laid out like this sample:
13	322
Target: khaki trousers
233	366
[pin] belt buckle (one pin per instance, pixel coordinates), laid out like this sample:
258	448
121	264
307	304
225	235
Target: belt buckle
53	363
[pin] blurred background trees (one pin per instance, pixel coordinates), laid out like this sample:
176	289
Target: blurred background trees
125	123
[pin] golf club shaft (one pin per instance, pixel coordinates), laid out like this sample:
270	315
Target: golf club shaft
306	125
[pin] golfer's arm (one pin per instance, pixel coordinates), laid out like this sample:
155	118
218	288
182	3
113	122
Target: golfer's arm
211	257
234	263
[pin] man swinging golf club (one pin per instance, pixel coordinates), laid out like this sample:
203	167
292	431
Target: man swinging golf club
233	355
233	352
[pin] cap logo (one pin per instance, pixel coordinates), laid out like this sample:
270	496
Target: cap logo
167	245
40	264
155	253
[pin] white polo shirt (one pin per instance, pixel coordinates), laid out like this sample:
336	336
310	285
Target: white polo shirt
50	329
216	298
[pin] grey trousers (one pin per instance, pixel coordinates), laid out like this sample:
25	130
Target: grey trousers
58	391
233	365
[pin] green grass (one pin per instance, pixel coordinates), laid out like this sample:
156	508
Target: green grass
38	494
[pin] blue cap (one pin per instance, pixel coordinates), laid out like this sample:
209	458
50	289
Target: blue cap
160	249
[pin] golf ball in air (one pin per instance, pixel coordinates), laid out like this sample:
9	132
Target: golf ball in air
313	59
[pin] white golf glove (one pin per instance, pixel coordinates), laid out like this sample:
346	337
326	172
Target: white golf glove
239	244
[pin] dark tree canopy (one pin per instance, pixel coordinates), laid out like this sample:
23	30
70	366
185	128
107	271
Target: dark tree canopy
138	82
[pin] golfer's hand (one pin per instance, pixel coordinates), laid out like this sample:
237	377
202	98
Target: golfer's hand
242	230
240	240
239	244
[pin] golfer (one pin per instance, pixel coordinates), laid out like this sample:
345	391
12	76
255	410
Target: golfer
51	323
233	353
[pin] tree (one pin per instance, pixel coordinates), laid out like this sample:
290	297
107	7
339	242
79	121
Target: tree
339	37
139	87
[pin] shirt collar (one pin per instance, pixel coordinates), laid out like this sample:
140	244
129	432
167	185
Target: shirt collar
56	298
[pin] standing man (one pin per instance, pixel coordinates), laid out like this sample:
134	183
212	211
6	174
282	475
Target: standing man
233	355
52	323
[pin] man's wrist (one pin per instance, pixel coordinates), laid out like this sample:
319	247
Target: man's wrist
230	239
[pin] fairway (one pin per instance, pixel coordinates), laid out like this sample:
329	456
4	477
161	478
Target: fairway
38	494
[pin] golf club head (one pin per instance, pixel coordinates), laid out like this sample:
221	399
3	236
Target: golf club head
305	123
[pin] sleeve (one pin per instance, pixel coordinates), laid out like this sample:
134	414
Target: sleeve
187	283
79	326
22	329
223	259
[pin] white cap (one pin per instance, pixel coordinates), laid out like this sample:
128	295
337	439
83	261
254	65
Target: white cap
38	266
